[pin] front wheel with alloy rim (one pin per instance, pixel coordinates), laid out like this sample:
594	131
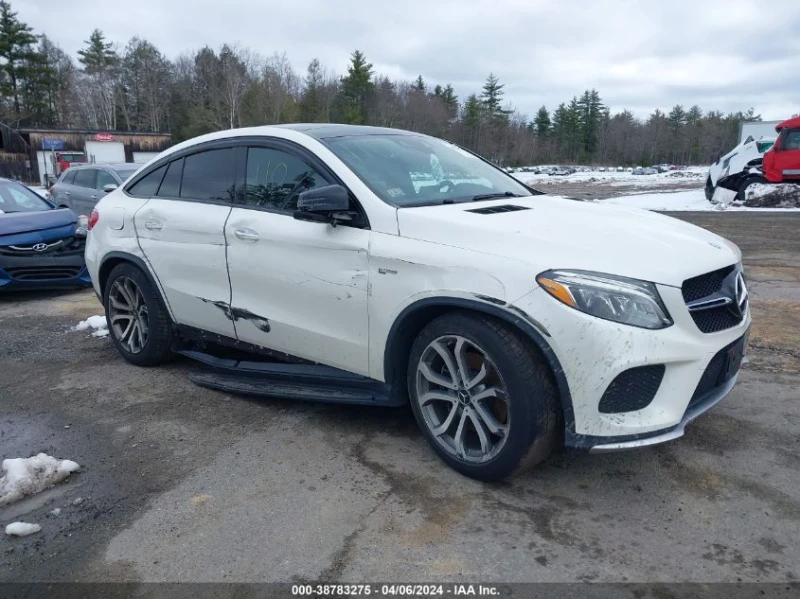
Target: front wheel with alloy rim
482	396
138	322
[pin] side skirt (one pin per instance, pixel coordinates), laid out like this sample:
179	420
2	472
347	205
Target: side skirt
242	372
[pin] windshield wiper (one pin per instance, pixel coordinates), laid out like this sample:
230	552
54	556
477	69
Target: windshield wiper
489	196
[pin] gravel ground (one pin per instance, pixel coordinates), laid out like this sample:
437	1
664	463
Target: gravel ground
180	483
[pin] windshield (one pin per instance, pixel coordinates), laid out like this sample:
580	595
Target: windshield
125	173
763	146
18	198
414	170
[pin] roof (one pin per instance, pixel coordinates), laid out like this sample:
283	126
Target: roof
91	132
328	130
789	123
117	166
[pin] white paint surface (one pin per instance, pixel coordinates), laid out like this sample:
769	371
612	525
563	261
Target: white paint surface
105	152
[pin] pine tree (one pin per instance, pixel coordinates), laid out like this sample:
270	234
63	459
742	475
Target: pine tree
590	112
310	104
98	56
492	96
357	90
419	85
17	53
437	91
541	124
450	100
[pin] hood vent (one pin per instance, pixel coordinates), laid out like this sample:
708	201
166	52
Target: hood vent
498	209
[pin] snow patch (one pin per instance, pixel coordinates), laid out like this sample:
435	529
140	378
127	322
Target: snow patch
97	323
22	529
684	201
28	476
770	195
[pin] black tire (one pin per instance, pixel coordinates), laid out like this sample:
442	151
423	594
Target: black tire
156	349
752	179
709	188
533	413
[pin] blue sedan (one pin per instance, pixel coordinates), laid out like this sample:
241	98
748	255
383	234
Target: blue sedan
40	247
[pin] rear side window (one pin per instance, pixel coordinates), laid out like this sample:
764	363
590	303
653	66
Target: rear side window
793	140
148	185
209	175
105	178
171	185
69	178
85	177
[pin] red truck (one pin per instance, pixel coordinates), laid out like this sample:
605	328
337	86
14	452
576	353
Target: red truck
781	163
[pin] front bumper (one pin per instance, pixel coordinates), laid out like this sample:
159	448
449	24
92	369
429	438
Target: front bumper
47	271
609	445
592	352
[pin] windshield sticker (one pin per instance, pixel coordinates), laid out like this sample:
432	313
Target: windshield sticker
395	192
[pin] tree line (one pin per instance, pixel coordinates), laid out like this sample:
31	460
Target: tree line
137	88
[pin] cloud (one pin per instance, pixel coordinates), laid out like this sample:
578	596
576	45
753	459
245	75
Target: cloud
720	54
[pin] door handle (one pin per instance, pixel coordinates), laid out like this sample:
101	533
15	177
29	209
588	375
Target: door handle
94	197
246	234
153	225
66	193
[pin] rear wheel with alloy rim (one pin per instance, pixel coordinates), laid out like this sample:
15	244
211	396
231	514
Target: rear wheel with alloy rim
482	396
138	322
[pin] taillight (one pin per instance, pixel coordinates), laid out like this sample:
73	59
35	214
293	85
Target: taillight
93	218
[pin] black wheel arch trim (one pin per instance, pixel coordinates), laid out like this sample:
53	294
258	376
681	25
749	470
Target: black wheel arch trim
139	263
514	319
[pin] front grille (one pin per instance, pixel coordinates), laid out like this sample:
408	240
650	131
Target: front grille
713	375
632	390
498	209
715	287
699	287
68	246
43	273
716	319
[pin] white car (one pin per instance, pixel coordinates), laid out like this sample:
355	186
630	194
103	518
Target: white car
511	321
739	168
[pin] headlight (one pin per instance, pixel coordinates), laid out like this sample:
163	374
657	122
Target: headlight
619	299
83	226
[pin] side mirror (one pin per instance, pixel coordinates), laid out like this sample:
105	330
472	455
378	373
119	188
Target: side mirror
109	187
322	203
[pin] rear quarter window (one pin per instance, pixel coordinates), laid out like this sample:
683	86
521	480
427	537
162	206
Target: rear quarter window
147	185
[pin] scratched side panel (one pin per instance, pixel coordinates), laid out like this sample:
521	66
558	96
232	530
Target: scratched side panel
187	254
403	271
307	280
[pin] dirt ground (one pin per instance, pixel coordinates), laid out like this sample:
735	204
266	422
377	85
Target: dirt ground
180	483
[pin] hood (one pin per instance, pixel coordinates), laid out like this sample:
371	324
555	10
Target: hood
555	232
19	227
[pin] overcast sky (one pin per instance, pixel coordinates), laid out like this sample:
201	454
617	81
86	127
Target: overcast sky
640	54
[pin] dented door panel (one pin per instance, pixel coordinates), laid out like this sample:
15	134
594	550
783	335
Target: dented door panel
300	287
184	242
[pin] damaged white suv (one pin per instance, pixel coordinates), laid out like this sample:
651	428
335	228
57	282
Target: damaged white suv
376	266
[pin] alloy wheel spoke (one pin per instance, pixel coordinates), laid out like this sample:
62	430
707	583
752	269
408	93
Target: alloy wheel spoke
436	396
444	427
488	420
449	360
486	443
460	351
435	378
118	317
487	393
118	305
458	438
480	376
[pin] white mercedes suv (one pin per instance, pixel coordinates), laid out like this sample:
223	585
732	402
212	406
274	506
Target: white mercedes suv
377	266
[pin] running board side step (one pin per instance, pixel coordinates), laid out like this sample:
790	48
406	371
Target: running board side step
305	382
